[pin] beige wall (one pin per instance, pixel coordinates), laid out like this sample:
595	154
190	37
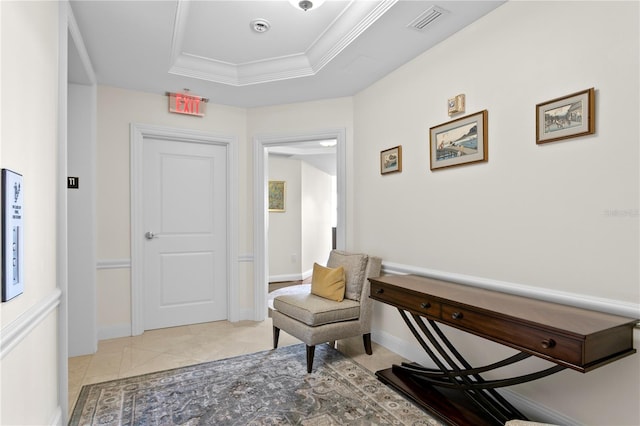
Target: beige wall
29	33
117	109
307	118
561	217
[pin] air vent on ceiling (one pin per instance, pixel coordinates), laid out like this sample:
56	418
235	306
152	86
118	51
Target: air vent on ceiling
427	18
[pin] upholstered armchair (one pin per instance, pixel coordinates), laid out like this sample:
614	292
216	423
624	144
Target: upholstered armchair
314	319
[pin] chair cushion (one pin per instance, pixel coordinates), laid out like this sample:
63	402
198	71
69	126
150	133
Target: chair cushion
314	311
328	282
354	269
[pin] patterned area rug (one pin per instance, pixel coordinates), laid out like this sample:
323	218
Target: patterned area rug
264	388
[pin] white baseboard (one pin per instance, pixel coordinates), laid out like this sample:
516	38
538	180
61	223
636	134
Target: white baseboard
242	315
285	277
291	277
124	330
56	417
114	331
536	411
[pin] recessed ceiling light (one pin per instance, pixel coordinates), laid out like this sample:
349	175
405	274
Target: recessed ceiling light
260	25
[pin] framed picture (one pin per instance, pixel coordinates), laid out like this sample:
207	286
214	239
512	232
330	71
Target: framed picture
277	195
12	235
567	117
391	160
461	141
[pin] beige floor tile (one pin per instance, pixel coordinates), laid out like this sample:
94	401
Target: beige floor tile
104	364
159	363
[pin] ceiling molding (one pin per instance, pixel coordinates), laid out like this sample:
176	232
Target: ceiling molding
81	49
347	27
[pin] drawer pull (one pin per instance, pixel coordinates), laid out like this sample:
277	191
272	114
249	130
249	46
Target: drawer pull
425	305
548	343
379	291
456	315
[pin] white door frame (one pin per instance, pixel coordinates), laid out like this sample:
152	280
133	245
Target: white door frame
138	133
261	225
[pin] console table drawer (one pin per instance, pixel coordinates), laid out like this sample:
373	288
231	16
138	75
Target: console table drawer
420	304
521	336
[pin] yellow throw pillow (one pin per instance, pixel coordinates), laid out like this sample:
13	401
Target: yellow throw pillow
328	283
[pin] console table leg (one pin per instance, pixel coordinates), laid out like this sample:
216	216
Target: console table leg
485	398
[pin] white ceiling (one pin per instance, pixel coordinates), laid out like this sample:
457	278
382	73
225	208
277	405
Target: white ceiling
210	48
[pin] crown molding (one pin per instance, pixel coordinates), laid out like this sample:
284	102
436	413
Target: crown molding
348	26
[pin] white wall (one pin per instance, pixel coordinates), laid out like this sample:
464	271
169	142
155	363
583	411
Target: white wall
561	217
29	73
81	144
317	216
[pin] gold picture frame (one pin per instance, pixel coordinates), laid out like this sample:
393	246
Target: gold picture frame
391	160
566	117
277	195
460	141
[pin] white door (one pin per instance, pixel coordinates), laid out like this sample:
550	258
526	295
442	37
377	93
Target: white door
185	246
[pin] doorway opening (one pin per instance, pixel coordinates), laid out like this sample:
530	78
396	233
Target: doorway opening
301	148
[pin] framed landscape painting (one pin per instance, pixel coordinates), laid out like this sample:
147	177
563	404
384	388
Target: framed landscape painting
461	141
391	160
277	195
566	117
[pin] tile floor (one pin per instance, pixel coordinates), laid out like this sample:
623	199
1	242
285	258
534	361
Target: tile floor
163	349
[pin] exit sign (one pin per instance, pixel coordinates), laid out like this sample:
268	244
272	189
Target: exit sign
182	103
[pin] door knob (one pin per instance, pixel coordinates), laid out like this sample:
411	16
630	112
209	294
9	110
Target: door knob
150	235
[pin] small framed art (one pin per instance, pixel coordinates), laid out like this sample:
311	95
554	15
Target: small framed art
460	141
391	160
277	195
566	117
455	105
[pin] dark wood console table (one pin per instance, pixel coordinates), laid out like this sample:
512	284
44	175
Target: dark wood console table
455	391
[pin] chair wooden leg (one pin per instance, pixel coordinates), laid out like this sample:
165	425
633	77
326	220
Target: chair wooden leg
310	352
276	336
366	338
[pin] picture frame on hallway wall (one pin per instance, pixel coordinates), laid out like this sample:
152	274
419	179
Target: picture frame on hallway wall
12	204
460	141
277	195
566	117
391	160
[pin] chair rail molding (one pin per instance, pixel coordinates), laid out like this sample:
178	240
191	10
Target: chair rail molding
113	264
18	329
609	306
